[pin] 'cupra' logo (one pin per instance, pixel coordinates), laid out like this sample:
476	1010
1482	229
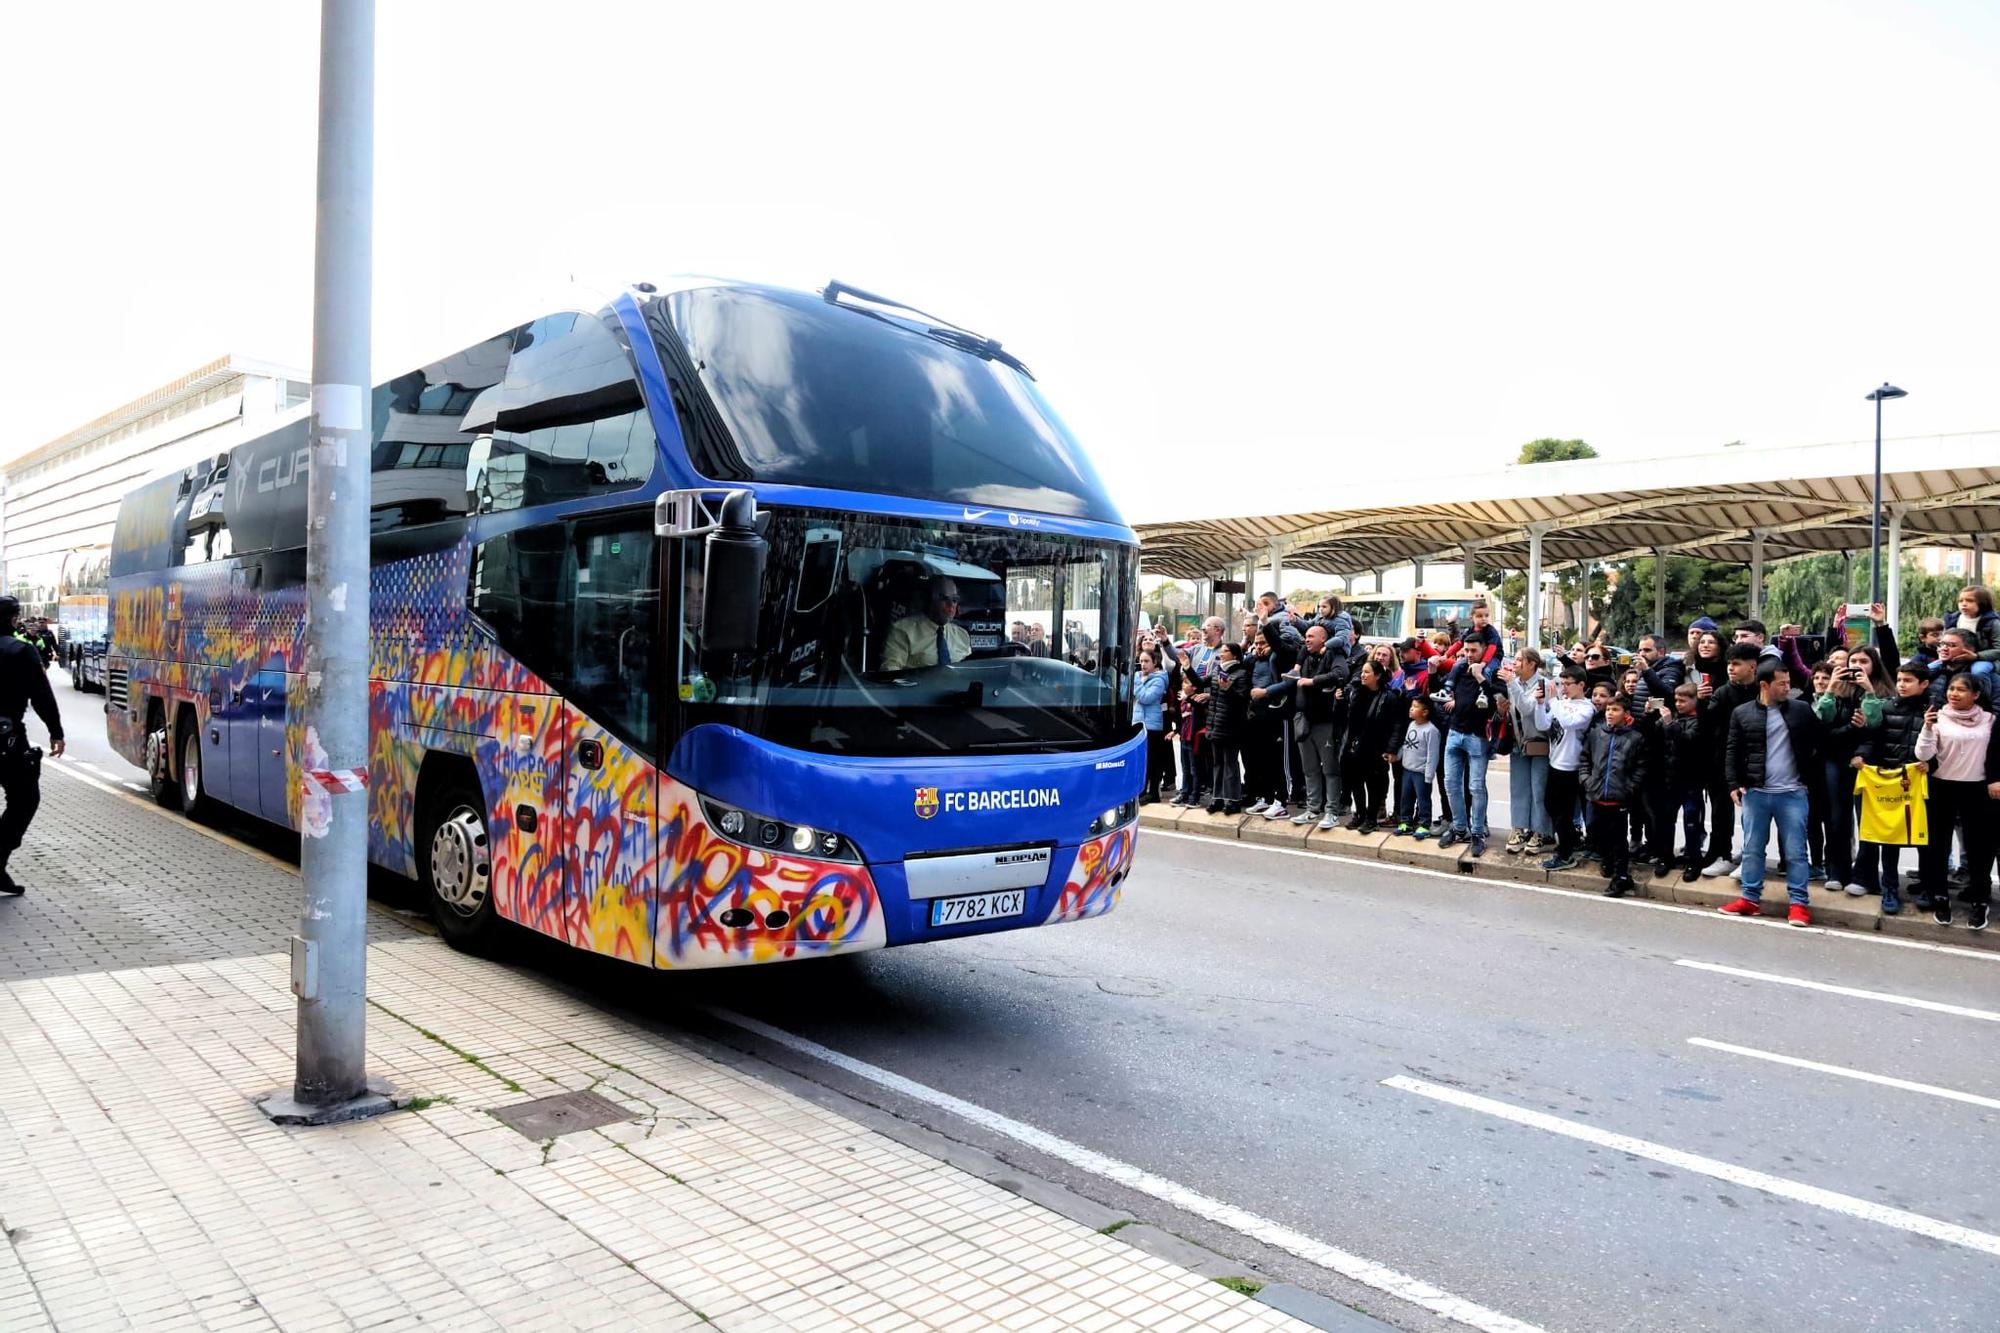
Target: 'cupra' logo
927	802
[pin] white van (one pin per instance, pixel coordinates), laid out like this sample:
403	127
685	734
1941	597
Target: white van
1388	617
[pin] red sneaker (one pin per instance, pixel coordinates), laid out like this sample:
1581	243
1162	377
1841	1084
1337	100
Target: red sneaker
1799	916
1742	907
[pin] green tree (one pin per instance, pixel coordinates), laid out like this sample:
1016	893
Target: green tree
1808	591
1695	588
1554	451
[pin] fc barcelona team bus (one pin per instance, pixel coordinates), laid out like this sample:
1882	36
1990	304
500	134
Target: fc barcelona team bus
690	632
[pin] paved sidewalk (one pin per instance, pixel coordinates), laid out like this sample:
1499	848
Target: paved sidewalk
144	1002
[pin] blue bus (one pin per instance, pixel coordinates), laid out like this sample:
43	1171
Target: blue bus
724	624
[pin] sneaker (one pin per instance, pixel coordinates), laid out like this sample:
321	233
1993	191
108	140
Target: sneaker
1798	916
1690	873
1147	798
1368	826
1741	907
1451	837
1561	862
1214	807
1941	909
1276	811
1537	845
1422	831
1329	824
1719	867
1662	867
1257	806
1304	817
1516	844
1815	872
1478	845
1852	890
1619	887
1975	916
1891	904
1402	830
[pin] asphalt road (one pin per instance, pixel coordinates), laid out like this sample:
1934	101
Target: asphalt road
1231	1027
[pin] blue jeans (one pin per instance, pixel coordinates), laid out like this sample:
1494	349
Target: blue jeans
1788	810
1413	799
1527	789
1465	760
1190	787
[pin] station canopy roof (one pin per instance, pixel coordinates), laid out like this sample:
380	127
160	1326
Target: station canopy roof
1802	500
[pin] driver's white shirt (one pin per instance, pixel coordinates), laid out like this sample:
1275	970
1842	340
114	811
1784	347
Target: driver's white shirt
912	642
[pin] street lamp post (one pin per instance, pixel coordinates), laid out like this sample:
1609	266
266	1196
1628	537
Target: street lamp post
1877	397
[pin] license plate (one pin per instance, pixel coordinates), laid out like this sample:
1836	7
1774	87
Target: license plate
978	907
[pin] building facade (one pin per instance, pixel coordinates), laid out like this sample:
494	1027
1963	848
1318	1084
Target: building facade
58	500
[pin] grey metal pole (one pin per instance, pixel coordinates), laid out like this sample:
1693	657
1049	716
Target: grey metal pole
1660	595
1875	516
331	959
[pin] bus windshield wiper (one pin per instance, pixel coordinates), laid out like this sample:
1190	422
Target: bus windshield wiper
943	330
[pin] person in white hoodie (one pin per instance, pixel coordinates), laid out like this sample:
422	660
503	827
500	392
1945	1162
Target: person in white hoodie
1566	720
1955	742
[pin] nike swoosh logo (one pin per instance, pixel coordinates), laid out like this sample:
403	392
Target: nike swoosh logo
971	514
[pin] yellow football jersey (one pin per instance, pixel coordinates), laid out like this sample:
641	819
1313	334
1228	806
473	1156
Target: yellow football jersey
1895	805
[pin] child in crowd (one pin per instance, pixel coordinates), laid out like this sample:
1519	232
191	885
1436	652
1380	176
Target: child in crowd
1613	772
1187	743
1887	755
1566	719
1423	746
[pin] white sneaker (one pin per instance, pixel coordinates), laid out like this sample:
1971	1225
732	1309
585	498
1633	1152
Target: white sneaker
1257	806
1305	817
1277	811
1718	868
1330	823
1834	886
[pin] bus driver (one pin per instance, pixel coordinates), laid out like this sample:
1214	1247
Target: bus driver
929	638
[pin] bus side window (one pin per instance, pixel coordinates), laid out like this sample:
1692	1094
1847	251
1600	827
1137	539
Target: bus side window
614	591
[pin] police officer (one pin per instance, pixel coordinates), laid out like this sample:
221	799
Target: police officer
22	682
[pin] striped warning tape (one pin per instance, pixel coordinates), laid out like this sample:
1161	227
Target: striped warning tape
335	779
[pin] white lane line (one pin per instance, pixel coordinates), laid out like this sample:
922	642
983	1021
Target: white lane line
1702	913
1863	1209
1365	1271
1929	1089
1852	992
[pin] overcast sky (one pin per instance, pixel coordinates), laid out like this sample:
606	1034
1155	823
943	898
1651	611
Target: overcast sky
1251	252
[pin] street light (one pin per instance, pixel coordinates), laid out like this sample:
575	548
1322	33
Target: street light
1876	397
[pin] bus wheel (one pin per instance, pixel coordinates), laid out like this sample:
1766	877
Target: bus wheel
455	866
195	802
160	784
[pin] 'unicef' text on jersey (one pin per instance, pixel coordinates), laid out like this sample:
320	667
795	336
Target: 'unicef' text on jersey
1014	798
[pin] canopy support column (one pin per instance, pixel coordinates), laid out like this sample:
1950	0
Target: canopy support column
1471	564
1894	604
1278	570
1534	606
1418	567
1660	594
1756	573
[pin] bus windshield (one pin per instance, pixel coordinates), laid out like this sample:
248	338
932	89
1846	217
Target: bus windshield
820	394
895	637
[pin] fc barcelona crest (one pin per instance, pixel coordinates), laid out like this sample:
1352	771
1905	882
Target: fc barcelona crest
927	802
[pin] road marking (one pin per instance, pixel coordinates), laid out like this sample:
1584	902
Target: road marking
1365	1271
1852	992
1930	1089
1863	1209
1574	895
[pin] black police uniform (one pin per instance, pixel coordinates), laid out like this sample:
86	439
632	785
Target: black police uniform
22	682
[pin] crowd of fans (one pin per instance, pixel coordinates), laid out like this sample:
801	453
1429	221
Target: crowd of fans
1851	757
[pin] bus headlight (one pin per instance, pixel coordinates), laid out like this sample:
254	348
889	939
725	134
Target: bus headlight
749	829
1111	819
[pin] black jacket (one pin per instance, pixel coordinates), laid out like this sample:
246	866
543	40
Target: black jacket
1326	671
23	682
1676	752
1468	685
1228	700
1371	723
1715	714
1744	758
1614	765
1894	743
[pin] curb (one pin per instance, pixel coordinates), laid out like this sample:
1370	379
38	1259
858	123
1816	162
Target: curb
1834	910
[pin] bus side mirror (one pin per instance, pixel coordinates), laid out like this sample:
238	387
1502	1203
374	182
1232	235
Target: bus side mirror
733	586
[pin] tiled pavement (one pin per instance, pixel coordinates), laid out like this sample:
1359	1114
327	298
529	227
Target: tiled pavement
144	1002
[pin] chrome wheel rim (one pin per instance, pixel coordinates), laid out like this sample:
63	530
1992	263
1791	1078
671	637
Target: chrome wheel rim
191	766
461	869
